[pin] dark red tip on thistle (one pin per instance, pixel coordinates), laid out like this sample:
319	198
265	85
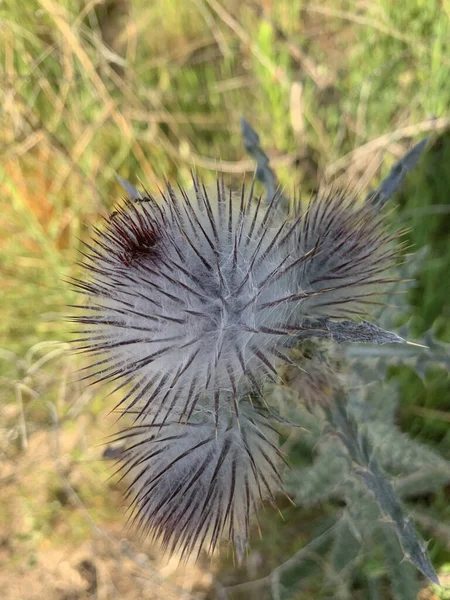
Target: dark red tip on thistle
133	235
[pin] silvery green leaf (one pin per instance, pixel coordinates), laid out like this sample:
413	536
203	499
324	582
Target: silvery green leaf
263	171
377	483
351	331
251	138
390	185
422	481
403	581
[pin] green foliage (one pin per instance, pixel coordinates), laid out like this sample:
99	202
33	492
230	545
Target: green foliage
401	573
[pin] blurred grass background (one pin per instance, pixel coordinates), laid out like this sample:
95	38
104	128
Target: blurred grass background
150	90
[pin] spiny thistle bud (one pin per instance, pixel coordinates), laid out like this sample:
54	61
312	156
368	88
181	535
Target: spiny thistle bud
194	299
192	482
199	296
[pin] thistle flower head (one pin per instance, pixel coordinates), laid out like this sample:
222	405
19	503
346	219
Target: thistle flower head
350	255
194	299
191	483
199	295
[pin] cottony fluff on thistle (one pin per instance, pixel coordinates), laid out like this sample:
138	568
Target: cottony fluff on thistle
194	299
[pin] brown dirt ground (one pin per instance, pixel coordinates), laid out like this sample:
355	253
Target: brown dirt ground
62	528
